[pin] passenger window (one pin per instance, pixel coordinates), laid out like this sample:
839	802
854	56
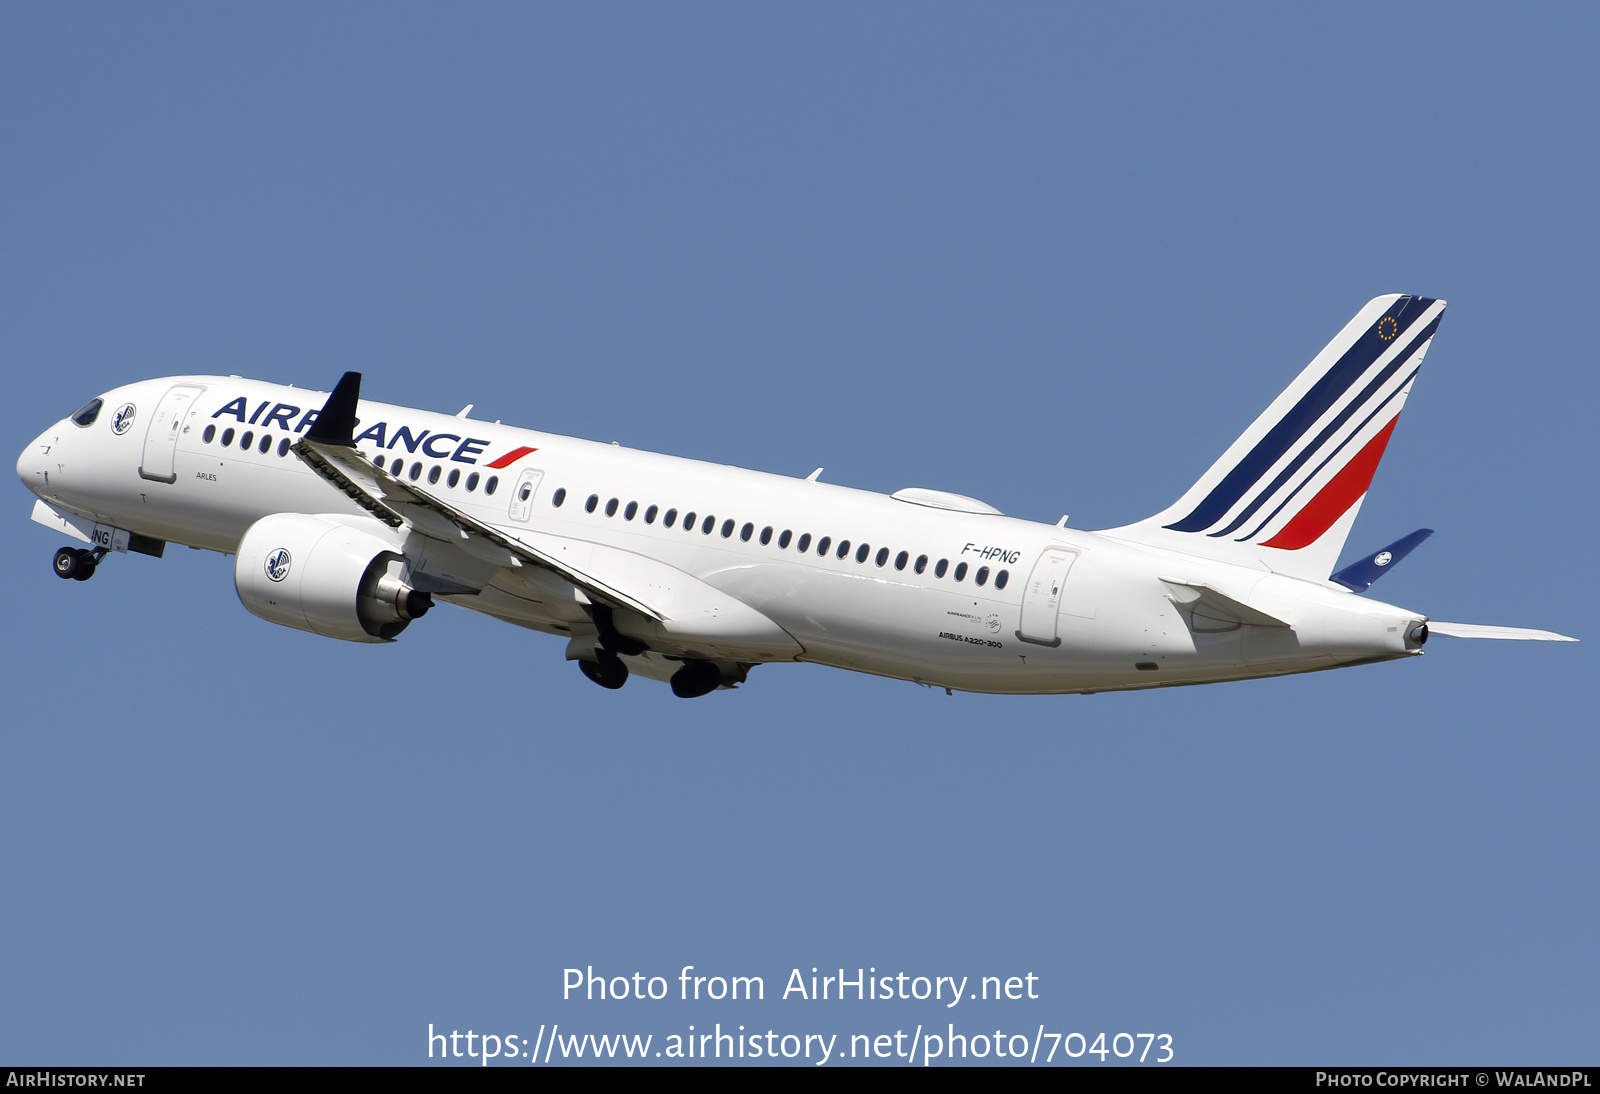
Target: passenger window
631	511
671	518
283	447
211	431
490	484
747	531
862	552
435	471
227	436
416	471
688	521
472	482
783	540
266	444
961	571
805	543
455	477
823	544
922	563
883	556
396	467
557	500
247	440
940	567
522	495
650	515
588	506
1001	578
378	459
844	548
611	507
900	560
982	576
766	535
87	413
707	525
727	529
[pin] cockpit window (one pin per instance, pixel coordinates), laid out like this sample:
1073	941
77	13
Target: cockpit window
89	412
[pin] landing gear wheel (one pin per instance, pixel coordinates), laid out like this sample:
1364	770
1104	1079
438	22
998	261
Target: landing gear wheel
695	679
73	563
608	670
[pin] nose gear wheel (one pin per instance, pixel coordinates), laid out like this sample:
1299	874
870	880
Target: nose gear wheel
76	564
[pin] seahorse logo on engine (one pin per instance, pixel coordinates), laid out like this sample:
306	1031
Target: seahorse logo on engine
278	564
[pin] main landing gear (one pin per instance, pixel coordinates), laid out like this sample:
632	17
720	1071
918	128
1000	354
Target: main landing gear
607	669
77	564
695	679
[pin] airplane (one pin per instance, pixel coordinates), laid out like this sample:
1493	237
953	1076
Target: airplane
350	519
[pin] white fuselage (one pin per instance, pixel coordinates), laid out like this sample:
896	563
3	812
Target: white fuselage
964	621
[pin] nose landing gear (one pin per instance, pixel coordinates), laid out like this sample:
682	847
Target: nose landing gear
76	563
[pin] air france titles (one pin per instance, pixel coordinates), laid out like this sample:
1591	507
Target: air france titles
438	446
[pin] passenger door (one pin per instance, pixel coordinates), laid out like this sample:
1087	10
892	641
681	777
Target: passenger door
1041	599
161	439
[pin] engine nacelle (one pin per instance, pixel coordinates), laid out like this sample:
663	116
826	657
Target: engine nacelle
322	576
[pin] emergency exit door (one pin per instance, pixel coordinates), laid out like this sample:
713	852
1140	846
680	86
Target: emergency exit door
522	497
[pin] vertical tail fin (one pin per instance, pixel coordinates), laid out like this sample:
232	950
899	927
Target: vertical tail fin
1285	494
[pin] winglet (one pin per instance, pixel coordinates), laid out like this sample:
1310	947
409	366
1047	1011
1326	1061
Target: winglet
1358	577
336	421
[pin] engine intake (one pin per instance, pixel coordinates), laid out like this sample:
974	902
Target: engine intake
327	577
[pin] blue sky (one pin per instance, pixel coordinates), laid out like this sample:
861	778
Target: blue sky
1053	257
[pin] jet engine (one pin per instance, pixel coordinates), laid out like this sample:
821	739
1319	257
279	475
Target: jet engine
320	575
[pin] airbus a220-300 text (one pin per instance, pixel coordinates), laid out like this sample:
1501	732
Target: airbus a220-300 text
350	519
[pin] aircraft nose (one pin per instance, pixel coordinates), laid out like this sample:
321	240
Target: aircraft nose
31	465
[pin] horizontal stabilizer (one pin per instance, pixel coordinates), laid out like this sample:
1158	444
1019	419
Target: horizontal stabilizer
1358	578
1480	630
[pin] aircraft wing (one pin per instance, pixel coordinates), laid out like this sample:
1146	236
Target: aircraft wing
396	502
674	610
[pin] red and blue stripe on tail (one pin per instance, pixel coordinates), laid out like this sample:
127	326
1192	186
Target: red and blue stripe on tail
1284	495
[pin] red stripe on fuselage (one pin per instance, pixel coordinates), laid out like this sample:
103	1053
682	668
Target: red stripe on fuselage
510	458
1336	498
